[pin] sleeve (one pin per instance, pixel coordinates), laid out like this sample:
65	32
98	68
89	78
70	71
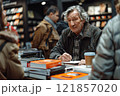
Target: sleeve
38	36
103	63
97	35
14	68
95	38
58	50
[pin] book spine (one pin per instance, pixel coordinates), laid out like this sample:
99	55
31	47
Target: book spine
40	73
28	64
38	76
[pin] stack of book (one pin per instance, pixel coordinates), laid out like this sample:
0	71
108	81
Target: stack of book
70	76
24	64
43	69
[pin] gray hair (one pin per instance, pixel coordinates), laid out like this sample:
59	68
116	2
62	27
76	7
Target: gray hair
83	14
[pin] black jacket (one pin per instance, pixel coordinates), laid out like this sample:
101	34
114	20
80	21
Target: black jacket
61	25
88	42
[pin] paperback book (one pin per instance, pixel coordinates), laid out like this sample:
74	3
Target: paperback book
45	64
70	76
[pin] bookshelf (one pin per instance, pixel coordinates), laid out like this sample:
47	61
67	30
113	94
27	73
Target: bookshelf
14	15
99	12
100	20
22	19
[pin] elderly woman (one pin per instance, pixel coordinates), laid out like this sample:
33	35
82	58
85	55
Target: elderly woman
78	38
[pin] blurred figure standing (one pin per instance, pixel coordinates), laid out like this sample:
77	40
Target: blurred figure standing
106	64
62	24
10	66
46	36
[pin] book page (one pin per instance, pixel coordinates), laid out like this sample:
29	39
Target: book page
72	62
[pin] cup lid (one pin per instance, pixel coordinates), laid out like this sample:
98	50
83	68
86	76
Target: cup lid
89	53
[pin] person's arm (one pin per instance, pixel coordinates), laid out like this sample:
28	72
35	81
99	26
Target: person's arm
103	63
38	36
58	50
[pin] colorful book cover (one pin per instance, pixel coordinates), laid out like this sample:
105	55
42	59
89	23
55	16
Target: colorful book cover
45	64
70	76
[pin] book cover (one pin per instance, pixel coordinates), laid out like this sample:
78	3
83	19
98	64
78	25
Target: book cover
45	64
70	76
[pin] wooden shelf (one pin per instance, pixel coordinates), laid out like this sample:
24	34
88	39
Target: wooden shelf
105	14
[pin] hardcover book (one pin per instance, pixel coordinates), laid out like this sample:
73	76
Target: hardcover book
70	76
45	64
48	72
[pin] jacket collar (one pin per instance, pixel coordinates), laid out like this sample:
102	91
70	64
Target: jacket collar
85	31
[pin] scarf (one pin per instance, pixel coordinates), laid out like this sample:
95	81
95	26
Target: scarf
50	21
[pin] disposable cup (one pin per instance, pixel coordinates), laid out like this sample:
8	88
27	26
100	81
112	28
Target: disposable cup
88	58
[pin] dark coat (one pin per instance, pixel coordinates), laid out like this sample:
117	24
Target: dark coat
61	25
88	42
106	64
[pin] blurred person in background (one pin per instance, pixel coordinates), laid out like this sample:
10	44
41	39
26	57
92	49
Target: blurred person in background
106	64
62	24
46	36
78	38
10	66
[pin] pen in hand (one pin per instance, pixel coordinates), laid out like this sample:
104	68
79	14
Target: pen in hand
65	57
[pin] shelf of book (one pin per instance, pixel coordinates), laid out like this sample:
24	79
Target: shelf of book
99	12
14	15
100	20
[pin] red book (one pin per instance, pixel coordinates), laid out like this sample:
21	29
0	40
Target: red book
45	64
70	76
